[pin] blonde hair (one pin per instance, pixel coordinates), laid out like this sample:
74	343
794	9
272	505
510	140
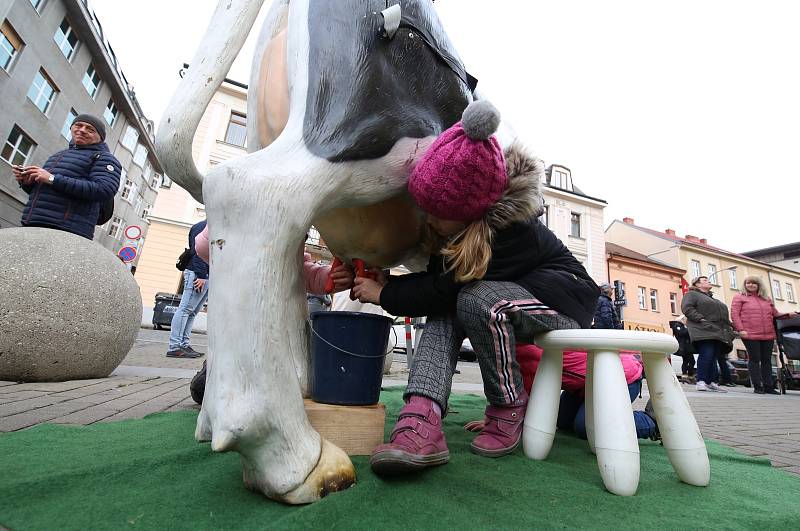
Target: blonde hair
762	289
468	252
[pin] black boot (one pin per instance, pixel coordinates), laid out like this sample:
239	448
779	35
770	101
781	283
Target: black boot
197	387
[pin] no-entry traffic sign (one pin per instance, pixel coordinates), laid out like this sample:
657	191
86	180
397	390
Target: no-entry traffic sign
128	254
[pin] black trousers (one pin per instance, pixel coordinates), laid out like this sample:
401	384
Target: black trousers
759	365
724	370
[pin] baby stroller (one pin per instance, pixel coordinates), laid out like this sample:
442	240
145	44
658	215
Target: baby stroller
788	349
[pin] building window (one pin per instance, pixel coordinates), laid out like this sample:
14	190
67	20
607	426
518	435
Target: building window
130	138
732	278
140	156
137	203
544	218
673	303
713	277
10	45
66	39
91	81
38	5
695	268
18	147
156	181
146	172
115	228
642	298
575	225
127	186
790	293
776	290
237	130
110	114
146	211
65	131
654	300
42	91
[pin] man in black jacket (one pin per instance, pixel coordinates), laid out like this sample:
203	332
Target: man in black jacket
605	314
66	193
195	293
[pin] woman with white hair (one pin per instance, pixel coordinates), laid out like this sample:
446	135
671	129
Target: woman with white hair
752	312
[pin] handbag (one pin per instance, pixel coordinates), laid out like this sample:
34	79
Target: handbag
184	259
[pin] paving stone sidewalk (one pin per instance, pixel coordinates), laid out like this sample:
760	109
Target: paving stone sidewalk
149	382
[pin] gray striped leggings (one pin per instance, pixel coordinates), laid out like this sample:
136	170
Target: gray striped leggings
493	315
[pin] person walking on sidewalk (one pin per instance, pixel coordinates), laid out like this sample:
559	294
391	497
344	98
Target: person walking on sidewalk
195	293
710	330
605	315
752	312
496	275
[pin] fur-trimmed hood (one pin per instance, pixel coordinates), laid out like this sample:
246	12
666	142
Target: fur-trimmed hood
522	198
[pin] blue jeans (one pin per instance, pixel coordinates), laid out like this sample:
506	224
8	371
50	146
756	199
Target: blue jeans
707	365
572	414
191	302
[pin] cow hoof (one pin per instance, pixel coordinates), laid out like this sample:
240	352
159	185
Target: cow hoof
334	472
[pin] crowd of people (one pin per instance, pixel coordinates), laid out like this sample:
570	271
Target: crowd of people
712	330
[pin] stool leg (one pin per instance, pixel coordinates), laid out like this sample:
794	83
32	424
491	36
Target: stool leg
589	400
679	432
616	445
540	417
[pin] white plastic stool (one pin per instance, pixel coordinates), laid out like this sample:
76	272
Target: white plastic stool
609	416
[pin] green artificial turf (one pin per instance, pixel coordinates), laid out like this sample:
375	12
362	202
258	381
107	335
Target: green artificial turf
151	474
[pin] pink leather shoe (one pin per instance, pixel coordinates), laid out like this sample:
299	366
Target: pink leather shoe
503	430
416	442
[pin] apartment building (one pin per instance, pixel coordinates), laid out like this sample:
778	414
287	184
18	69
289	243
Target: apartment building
786	256
56	63
652	289
726	270
577	219
221	135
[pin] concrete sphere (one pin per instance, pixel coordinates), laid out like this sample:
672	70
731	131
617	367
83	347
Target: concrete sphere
69	309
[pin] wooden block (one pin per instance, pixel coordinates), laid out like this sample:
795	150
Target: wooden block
355	429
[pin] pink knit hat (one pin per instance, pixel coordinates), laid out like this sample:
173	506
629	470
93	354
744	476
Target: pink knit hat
463	173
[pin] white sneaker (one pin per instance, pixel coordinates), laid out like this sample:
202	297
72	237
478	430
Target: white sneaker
701	386
717	389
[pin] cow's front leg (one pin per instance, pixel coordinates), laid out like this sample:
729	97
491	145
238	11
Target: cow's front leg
258	209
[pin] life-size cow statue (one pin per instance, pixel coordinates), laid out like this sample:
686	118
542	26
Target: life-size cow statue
340	107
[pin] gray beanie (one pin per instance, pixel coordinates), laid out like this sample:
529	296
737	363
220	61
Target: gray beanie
95	122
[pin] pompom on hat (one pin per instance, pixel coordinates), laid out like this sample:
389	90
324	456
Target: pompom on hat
463	173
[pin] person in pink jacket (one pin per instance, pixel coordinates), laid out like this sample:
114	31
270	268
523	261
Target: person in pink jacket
571	409
752	313
314	275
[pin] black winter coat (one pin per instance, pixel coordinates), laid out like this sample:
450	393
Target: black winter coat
605	315
528	254
84	177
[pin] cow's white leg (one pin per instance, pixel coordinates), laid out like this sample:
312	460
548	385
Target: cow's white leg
258	209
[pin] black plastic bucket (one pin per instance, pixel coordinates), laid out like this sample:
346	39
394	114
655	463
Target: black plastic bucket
347	351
